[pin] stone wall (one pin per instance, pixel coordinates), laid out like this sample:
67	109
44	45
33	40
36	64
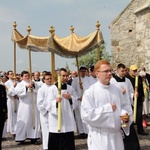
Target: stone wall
126	46
143	37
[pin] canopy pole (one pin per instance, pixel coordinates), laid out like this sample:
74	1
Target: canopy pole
30	72
53	66
98	49
29	54
30	67
52	33
15	53
80	82
15	99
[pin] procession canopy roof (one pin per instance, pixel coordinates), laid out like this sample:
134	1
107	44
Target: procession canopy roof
70	47
35	43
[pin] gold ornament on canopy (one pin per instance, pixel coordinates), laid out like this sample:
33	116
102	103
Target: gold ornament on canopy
70	46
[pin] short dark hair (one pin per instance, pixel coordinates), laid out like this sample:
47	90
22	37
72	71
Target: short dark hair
63	69
82	68
47	74
24	72
121	66
9	71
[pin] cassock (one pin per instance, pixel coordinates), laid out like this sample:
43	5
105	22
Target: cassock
104	124
3	110
65	138
81	126
12	105
28	115
41	100
131	141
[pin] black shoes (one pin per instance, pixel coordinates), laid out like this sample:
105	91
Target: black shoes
82	136
142	133
34	141
4	139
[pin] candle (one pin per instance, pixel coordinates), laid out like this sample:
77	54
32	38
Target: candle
136	81
135	99
59	103
59	85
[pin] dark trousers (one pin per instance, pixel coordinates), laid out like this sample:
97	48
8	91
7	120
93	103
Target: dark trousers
139	117
131	141
2	121
61	141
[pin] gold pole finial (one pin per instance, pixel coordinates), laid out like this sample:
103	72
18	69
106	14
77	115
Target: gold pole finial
28	30
15	25
97	25
52	31
72	29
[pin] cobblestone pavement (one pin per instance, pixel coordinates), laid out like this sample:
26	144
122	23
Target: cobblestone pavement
10	144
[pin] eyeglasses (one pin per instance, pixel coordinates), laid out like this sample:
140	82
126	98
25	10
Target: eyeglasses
106	71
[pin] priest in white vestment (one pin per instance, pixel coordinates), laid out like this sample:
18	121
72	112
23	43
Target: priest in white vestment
131	141
28	123
12	103
101	108
41	100
63	140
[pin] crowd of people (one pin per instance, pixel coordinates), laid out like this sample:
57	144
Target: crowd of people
96	102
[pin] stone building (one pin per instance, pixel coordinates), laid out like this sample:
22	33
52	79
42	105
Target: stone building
130	35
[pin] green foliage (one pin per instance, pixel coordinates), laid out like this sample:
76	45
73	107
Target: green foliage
92	57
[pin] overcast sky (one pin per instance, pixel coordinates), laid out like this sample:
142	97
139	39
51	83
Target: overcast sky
41	14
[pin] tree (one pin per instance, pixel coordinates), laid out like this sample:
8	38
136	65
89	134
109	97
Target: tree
91	58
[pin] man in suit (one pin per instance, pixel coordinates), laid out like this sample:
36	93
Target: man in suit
3	110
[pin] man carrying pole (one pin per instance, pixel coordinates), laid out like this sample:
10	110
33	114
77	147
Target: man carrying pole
63	137
139	94
131	141
24	126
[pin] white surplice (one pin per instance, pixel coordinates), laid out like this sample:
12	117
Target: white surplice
41	100
127	85
28	115
12	105
68	122
105	125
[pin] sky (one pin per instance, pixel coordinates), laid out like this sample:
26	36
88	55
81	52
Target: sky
40	15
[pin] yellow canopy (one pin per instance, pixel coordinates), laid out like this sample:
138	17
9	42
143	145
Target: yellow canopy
37	44
71	46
